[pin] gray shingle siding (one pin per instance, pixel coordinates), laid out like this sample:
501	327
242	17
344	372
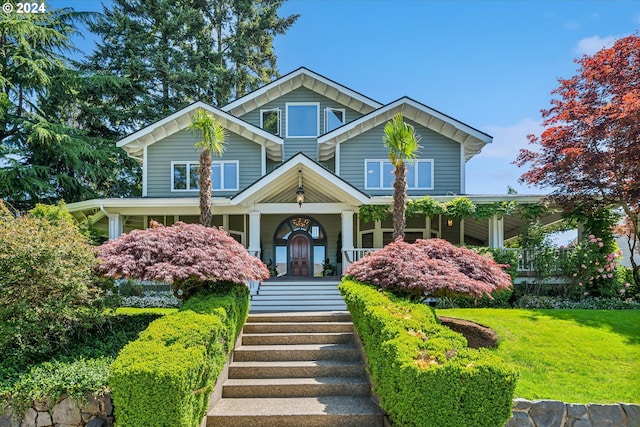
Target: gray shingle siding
444	152
180	147
294	145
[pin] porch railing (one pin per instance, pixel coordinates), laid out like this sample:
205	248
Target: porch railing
355	254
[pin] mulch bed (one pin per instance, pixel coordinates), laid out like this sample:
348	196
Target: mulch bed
476	334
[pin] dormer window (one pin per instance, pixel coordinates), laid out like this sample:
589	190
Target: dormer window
333	118
270	120
303	119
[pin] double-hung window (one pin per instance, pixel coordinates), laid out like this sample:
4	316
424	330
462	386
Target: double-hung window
379	175
185	177
303	119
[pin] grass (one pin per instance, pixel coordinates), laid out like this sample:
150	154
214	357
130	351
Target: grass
576	356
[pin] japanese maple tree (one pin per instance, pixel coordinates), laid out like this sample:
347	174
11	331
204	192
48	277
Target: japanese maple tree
432	267
589	152
189	256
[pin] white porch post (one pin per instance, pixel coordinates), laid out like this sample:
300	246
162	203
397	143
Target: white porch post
347	236
496	232
115	226
115	223
254	233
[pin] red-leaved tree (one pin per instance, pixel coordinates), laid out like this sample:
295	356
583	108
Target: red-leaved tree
432	267
589	152
186	255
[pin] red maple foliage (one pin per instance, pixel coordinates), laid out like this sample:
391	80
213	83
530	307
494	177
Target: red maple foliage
432	267
589	151
185	255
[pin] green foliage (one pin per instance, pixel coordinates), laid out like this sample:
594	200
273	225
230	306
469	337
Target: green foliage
46	285
81	367
496	208
422	371
426	206
460	207
370	213
164	378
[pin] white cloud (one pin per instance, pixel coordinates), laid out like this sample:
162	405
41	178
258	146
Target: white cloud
591	45
572	25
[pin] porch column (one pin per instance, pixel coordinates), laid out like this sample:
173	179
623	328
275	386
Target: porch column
254	233
347	236
496	232
115	226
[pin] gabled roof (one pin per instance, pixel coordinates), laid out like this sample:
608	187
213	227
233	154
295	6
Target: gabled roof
320	185
472	139
302	77
180	120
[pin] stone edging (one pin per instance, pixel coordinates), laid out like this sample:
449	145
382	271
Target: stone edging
94	412
553	413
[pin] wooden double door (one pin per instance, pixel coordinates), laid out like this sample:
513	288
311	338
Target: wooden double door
300	255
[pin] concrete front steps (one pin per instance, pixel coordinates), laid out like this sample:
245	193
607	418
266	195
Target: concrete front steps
296	369
304	295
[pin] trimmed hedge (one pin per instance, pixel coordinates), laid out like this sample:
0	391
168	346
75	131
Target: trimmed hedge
422	372
164	378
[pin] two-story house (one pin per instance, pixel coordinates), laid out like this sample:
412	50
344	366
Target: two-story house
303	154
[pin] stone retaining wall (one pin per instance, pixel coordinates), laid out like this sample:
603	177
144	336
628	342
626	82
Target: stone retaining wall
552	413
94	412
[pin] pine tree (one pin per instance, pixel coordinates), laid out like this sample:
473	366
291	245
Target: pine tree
169	54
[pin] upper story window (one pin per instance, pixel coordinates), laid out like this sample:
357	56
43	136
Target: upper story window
303	119
270	120
333	118
185	177
379	175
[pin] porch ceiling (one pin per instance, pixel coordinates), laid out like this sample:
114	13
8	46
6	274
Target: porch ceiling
284	191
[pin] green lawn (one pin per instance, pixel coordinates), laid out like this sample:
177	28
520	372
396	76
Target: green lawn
577	356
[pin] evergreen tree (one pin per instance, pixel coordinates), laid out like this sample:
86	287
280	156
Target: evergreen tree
45	155
170	53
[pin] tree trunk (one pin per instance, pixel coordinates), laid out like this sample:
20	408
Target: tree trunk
204	173
399	200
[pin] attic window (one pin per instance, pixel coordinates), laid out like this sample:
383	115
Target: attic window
303	119
270	120
333	118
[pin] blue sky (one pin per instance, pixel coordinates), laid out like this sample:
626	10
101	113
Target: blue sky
489	64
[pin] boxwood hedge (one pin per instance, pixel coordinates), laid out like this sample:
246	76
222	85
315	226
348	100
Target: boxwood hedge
422	372
164	378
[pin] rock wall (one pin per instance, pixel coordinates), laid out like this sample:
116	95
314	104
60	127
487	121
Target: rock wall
552	413
94	412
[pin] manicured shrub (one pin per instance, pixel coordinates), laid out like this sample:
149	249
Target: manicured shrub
421	371
47	290
432	267
186	255
501	298
164	378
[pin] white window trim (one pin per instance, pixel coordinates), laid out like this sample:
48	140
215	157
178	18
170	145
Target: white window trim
237	177
326	117
279	119
218	162
382	161
188	164
301	104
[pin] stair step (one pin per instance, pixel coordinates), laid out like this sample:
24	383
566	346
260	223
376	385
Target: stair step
330	316
296	352
276	291
297	297
296	369
293	338
324	411
302	288
295	387
297	327
284	308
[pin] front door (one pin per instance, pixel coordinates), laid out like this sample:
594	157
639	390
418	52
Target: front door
299	246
